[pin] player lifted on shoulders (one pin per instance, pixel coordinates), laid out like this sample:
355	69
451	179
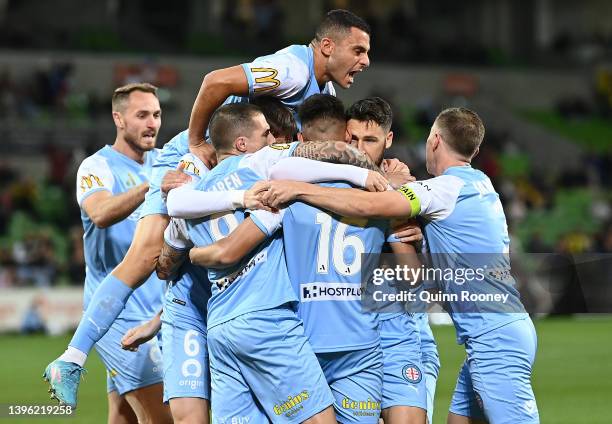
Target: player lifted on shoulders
337	53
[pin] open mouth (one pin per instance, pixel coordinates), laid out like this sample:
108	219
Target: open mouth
352	74
150	136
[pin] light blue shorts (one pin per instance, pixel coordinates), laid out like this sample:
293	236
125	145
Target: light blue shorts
264	370
429	358
494	383
404	379
127	371
356	380
185	360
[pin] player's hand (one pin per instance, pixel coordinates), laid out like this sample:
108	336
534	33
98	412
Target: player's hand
136	336
253	196
174	179
408	232
397	172
376	182
279	193
206	153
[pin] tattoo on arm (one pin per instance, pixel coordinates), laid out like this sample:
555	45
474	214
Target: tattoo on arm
334	152
170	260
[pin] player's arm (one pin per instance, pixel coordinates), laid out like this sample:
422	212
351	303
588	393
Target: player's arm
136	336
188	203
433	199
216	86
174	250
230	250
106	209
343	201
94	192
314	171
406	251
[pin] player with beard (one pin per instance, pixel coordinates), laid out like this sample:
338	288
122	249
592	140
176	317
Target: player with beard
111	186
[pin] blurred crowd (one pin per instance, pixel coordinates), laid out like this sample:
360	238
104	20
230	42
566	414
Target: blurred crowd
45	92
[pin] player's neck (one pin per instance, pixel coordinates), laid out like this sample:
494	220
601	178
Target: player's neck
449	163
319	65
126	149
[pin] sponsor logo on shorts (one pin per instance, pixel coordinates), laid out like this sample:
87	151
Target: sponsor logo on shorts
112	373
292	405
232	420
315	292
362	408
412	373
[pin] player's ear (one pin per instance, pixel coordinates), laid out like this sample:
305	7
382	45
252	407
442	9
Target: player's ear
300	136
389	140
436	141
327	46
119	123
241	144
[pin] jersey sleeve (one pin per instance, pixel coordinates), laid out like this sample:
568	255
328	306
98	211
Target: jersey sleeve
93	175
433	199
268	222
262	161
176	235
281	75
194	167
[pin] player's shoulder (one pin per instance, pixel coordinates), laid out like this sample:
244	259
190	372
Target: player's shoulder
193	165
272	151
180	142
98	160
294	58
442	182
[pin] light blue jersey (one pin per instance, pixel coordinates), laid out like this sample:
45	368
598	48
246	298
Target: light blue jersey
323	254
465	227
109	170
167	160
260	280
184	332
287	75
188	294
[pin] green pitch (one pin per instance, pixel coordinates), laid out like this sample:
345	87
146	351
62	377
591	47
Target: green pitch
572	377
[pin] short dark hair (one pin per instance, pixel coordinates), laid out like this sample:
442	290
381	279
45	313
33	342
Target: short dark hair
121	94
319	107
372	109
339	21
229	122
463	130
281	120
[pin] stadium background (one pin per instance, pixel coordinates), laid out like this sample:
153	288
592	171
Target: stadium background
538	72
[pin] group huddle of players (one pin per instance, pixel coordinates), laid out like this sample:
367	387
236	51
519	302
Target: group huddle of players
260	238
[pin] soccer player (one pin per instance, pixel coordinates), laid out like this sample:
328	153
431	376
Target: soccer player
463	215
338	52
111	186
